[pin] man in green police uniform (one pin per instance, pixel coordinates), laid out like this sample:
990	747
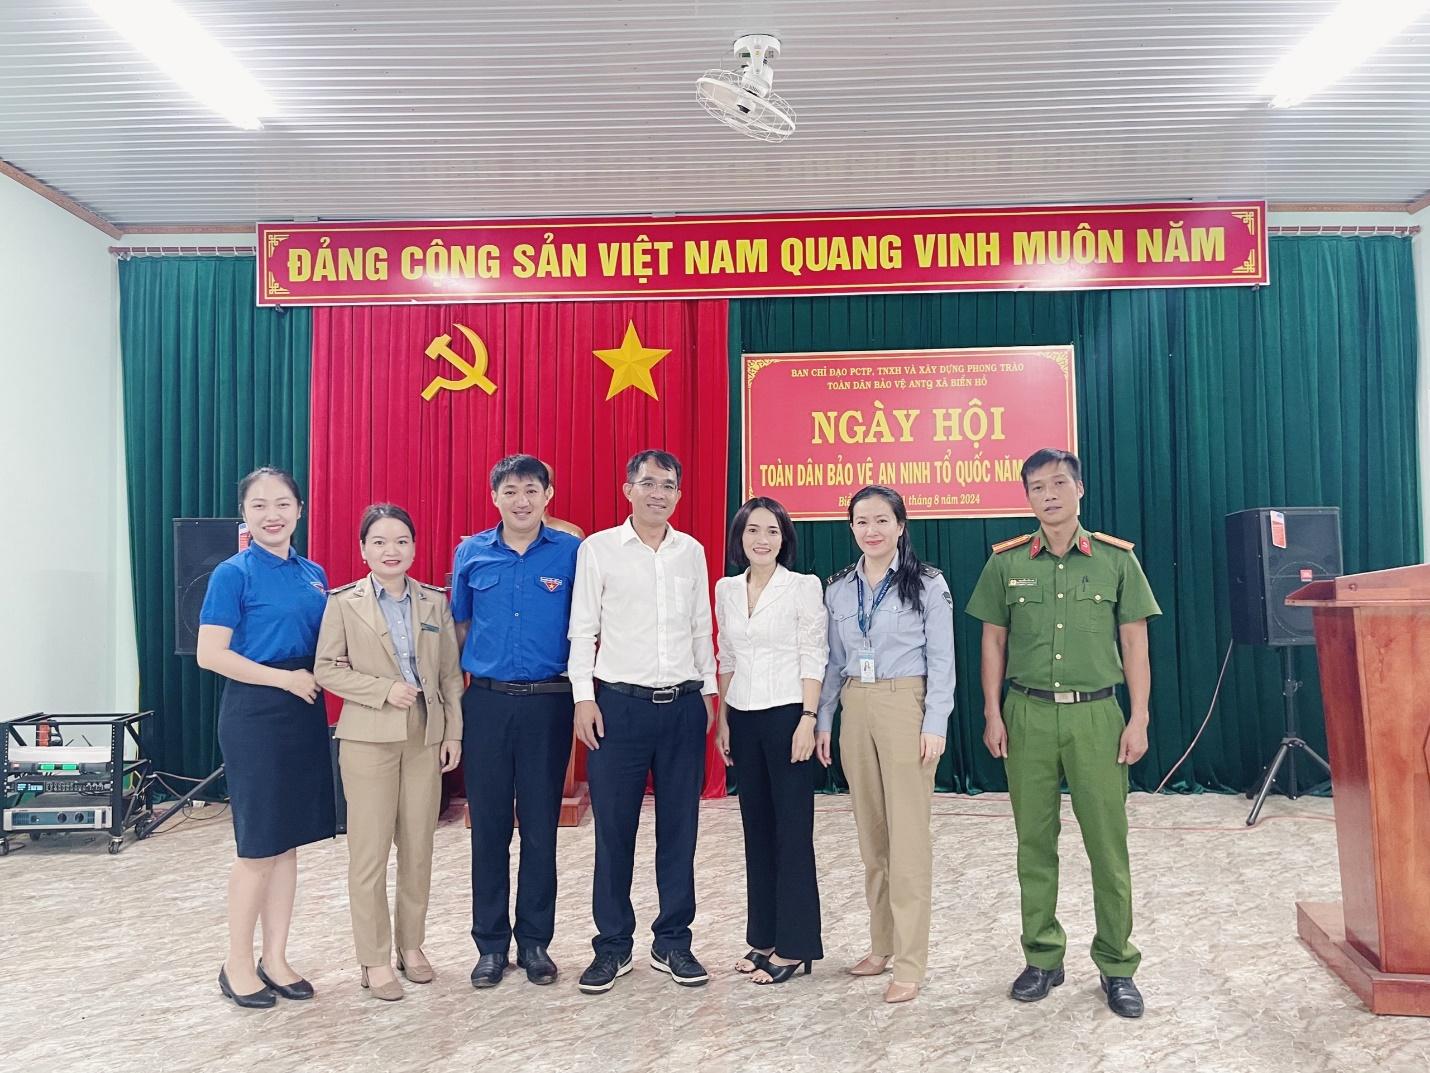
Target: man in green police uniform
1055	605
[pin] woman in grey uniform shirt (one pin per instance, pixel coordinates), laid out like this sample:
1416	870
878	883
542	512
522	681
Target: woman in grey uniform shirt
891	673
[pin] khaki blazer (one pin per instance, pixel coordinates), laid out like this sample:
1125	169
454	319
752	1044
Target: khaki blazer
355	629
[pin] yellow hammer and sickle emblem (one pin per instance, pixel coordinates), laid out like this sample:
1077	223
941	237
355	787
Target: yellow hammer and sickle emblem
474	374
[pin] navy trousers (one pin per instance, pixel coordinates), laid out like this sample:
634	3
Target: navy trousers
668	742
514	749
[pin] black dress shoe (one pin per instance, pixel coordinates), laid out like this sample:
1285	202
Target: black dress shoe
600	975
1034	983
540	969
1123	998
298	991
489	969
259	1000
682	966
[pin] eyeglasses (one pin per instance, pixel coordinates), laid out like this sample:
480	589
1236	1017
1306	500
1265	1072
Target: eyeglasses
649	485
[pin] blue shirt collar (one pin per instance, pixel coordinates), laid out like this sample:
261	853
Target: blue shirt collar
267	558
382	595
492	538
859	569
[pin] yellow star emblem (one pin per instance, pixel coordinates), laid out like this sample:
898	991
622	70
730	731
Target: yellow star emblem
631	364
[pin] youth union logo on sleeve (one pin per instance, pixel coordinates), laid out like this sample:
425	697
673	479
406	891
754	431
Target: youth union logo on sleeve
552	583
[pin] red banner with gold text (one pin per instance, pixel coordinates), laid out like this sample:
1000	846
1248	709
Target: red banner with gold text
1179	244
948	428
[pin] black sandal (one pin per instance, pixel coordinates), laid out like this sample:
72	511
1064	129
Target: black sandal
778	974
756	959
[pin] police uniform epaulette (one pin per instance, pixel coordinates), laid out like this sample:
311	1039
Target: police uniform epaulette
929	570
344	588
432	588
1011	543
1116	542
841	574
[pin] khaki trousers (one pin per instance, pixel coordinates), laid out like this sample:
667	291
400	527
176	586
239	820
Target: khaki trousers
891	791
394	790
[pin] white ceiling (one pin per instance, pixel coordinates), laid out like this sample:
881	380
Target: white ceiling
501	108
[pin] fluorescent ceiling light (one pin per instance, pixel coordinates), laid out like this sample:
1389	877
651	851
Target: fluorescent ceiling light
186	53
1349	34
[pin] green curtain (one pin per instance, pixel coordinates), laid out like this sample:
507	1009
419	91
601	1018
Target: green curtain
213	387
1191	404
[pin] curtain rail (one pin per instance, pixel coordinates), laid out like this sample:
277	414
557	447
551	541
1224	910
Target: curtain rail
1350	230
125	252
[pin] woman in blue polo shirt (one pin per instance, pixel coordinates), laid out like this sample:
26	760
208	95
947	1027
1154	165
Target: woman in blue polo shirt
259	629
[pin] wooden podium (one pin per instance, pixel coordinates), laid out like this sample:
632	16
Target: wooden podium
575	796
1373	645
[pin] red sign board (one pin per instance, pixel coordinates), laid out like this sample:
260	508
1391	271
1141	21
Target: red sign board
1181	244
948	428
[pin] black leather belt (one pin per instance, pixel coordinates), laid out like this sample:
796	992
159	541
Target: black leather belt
524	689
663	695
1061	697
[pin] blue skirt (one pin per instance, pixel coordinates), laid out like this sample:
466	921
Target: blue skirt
278	768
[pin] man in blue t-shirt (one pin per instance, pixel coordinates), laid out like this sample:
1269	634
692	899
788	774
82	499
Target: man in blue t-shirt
511	599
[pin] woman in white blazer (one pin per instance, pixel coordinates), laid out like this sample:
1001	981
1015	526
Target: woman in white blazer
773	646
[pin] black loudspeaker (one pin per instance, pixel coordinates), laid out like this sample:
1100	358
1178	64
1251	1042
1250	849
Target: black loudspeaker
1271	553
200	544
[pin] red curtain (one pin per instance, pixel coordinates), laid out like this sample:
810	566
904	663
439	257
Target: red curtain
374	437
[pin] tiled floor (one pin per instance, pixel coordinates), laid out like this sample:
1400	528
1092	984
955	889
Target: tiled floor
109	963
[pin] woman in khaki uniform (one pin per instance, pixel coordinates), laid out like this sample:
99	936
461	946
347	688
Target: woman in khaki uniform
890	672
388	647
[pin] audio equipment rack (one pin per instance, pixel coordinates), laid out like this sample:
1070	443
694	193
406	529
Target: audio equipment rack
82	788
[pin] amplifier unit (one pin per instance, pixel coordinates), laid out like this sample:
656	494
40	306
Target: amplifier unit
73	811
67	760
46	782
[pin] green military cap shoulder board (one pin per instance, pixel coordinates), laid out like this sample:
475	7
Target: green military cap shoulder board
1011	543
841	574
344	588
1116	542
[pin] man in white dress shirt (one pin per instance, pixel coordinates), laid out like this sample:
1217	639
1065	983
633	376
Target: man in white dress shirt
644	705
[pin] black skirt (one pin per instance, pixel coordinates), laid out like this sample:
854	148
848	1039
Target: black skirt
277	765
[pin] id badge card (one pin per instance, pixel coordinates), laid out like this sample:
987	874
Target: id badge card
866	665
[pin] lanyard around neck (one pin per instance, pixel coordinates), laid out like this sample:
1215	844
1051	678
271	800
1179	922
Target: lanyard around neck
866	621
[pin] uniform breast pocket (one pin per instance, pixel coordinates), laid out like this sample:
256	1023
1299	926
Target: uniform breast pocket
1022	595
554	584
484	610
1094	606
846	628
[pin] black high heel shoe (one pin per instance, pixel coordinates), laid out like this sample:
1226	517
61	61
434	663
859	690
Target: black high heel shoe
778	974
261	999
755	958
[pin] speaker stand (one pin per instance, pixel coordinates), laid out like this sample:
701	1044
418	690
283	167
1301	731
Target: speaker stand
158	821
1291	743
